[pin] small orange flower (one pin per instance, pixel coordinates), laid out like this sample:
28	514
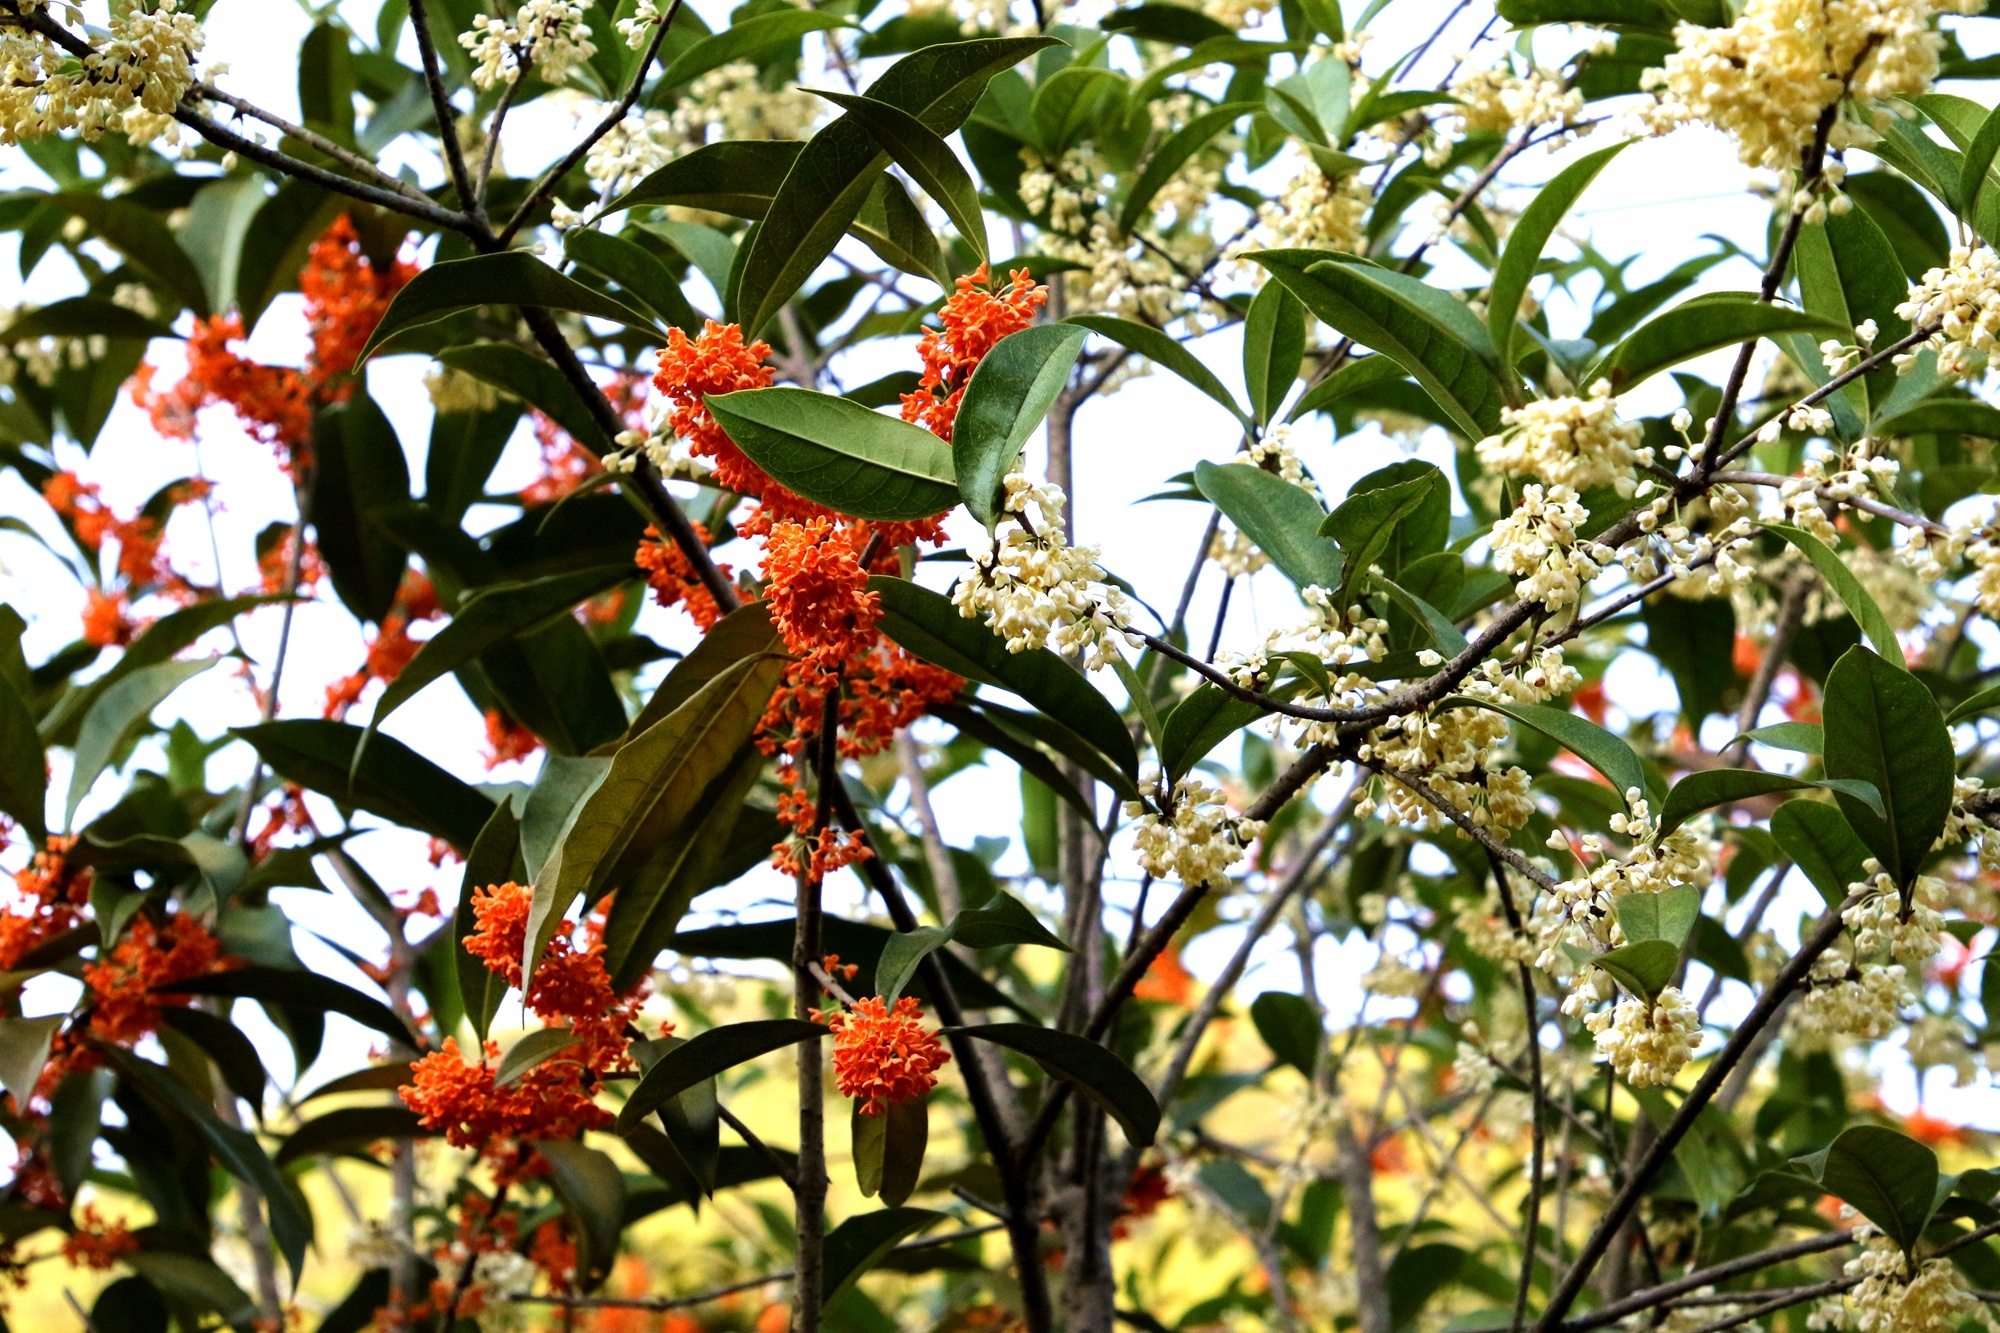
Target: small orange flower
106	619
96	1243
717	361
884	1055
672	578
346	297
1166	980
124	1007
818	591
973	319
507	741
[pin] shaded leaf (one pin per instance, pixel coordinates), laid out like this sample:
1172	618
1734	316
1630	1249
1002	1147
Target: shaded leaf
1010	391
392	780
1098	1073
708	1054
1274	343
1290	1028
1887	1176
117	715
517	371
282	985
1883	728
1643	968
861	1242
926	157
1161	350
1822	844
1525	242
1703	324
350	1129
512	277
1859	602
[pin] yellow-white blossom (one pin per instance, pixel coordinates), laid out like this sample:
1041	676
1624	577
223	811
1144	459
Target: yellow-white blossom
1199	839
1963	300
549	35
1033	588
1647	1044
1538	545
1894	1299
1576	442
131	81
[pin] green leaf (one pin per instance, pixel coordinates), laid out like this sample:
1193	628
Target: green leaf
1948	416
1856	598
1428	332
1526	241
744	633
1175	25
928	625
24	775
76	1115
1885	1175
592	1189
1161	350
1034	760
1365	523
1667	915
1172	155
277	242
864	1240
926	157
648	909
1848	273
168	636
275	985
238	1151
492	615
890	223
1274	343
495	858
1643	968
1097	1072
1883	728
840	454
1798	737
708	1054
350	1129
1822	844
83	317
1725	786
1198	724
833	174
117	717
738	177
1983	702
1290	1028
1585	739
712	253
392	780
1002	920
138	233
1445	635
24	1050
745	38
512	277
901	956
907	1131
1703	324
224	1043
517	371
359	470
1010	391
193	1279
654	784
1284	520
536	1048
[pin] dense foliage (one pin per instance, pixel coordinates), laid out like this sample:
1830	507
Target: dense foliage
1598	1074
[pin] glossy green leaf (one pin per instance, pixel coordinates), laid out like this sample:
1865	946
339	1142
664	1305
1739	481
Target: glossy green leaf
165	638
350	1129
519	372
1002	920
710	1053
1667	915
536	1048
1589	742
747	37
223	1042
1365	523
864	1240
1849	274
1859	602
490	616
494	859
1173	154
1529	236
1199	723
392	780
1011	390
744	633
928	625
359	471
24	1050
1274	343
1883	728
1887	1176
1098	1073
833	174
1948	416
1161	350
1285	521
512	277
117	716
592	1189
1725	786
24	776
286	986
926	157
238	1151
1694	327
654	784
1290	1028
1643	968
1798	737
840	454
1822	844
738	177
1445	636
892	225
1430	333
902	955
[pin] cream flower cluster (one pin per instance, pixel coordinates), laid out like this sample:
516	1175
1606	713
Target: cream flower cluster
1861	471
453	390
1574	442
1537	544
631	150
1647	1044
1766	78
1939	1042
1892	1299
1393	977
1235	554
1880	924
1314	212
1119	274
1199	841
548	34
1238	13
1035	590
733	103
1581	913
1963	299
638	30
131	82
1845	1000
1499	101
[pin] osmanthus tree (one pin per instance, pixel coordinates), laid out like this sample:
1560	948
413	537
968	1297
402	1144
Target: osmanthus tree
1625	1090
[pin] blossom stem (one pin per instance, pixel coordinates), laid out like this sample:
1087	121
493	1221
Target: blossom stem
809	1194
1901	517
354	162
1707	1277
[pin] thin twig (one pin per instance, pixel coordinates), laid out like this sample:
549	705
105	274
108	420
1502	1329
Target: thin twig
314	140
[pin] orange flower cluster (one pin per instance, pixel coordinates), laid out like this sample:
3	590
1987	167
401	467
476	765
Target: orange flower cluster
570	989
346	296
141	567
884	1055
973	319
392	647
274	564
818	591
48	899
1166	979
507	741
673	580
124	1008
96	1243
716	361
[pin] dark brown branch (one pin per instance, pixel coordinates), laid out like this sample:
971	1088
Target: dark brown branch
447	119
312	139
